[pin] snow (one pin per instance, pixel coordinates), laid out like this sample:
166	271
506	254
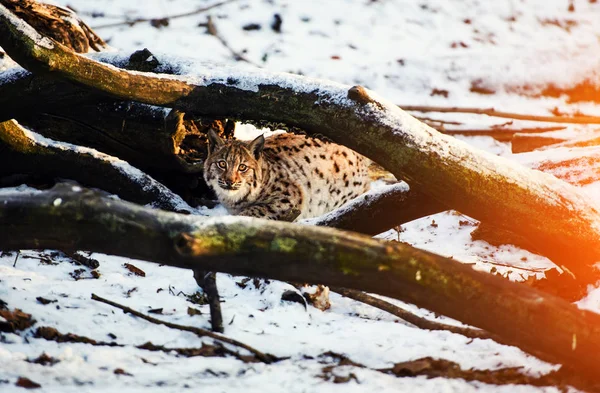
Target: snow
259	318
402	50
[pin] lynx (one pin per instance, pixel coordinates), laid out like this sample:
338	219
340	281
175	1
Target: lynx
284	176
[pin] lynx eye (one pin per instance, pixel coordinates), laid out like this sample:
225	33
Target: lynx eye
243	168
222	164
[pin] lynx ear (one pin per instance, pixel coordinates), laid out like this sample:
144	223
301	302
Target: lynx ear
256	146
214	141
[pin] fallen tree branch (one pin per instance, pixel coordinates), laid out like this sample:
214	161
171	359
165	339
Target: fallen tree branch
555	216
379	210
523	143
265	358
441	368
208	282
422	323
508	115
549	327
82	260
428	367
20	153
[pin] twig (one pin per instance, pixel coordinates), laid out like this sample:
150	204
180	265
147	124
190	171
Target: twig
419	322
175	16
430	120
212	30
265	358
208	282
508	115
17	258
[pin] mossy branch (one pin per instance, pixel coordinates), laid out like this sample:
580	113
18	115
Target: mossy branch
537	322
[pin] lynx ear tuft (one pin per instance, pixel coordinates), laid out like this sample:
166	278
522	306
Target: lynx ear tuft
214	141
256	146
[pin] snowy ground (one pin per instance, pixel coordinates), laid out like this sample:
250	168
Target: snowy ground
426	53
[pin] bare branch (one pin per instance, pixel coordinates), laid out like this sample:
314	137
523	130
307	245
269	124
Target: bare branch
409	317
208	282
266	358
212	30
508	115
499	134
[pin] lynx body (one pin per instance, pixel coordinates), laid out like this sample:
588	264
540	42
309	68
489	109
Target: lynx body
285	176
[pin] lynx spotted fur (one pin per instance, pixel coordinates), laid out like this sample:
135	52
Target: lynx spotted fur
284	176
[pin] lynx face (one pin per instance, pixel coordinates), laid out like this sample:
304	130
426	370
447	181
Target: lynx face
233	169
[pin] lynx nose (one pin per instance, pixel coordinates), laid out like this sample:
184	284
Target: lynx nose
226	184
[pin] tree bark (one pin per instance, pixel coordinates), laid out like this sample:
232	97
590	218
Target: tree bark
537	322
555	216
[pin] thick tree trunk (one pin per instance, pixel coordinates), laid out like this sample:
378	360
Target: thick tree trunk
537	322
553	215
